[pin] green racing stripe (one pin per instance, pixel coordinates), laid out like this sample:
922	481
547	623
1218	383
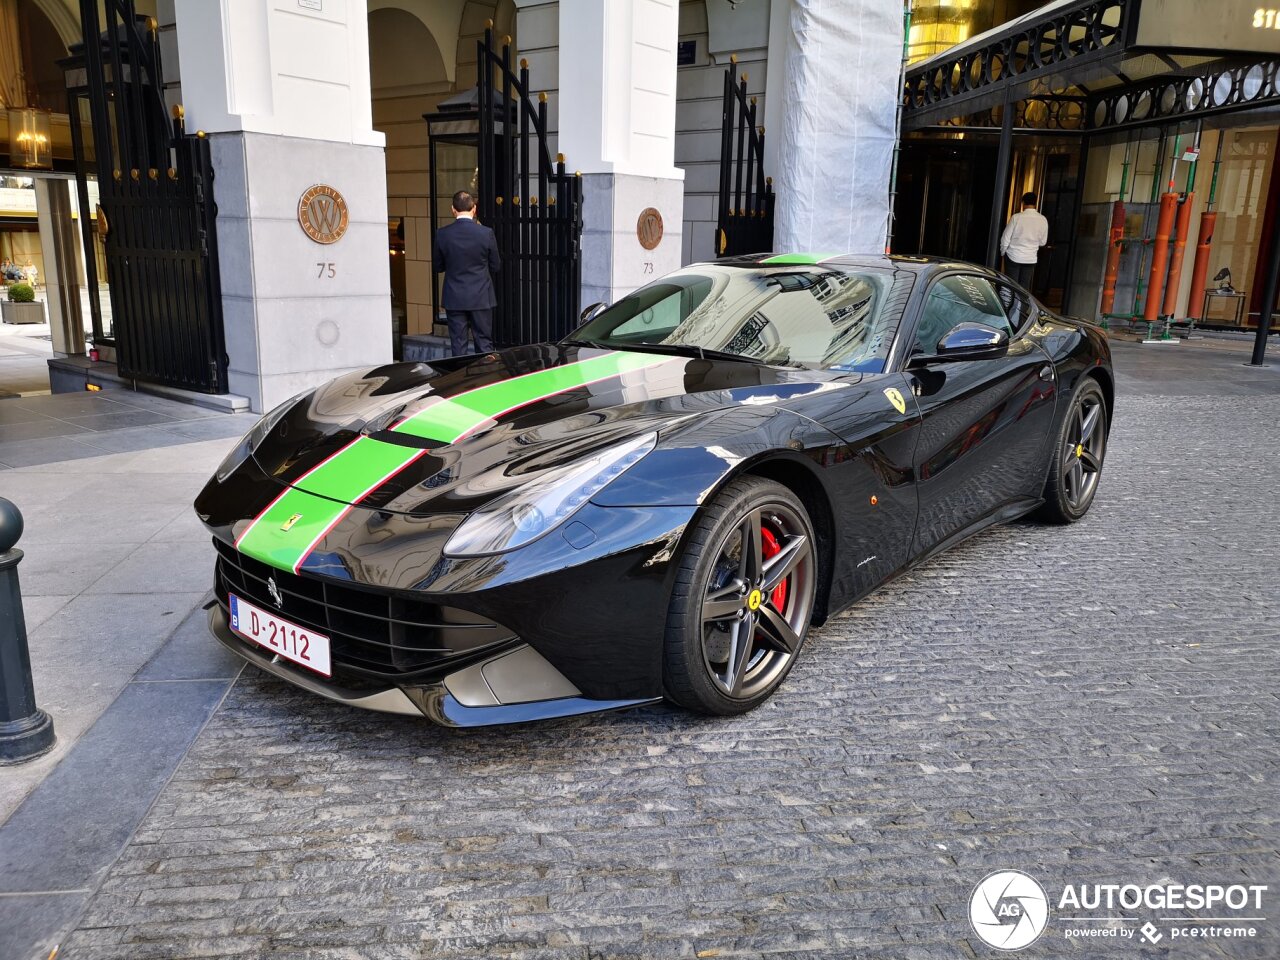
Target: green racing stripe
807	259
291	526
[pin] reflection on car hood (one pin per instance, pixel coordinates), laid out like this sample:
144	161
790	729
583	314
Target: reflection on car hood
422	438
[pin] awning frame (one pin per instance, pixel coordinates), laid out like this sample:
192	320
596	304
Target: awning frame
1045	66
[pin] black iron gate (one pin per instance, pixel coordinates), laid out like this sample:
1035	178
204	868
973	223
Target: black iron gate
155	187
744	216
533	206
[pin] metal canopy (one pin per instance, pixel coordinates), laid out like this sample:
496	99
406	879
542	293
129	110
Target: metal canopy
1076	65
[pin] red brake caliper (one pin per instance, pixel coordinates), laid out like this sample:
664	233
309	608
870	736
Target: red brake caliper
770	547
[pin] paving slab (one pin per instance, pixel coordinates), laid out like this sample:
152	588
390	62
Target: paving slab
27	452
67	568
189	655
41	429
174	567
31	924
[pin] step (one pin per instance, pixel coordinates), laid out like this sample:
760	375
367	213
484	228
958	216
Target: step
76	374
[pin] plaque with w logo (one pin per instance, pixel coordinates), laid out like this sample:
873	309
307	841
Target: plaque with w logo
322	213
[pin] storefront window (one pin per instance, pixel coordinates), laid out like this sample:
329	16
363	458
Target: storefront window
1243	180
1247	158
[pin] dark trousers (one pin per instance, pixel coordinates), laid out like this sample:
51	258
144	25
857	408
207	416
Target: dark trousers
1020	273
465	323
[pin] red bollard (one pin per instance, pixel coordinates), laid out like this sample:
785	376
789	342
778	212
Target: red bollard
1112	272
1179	247
1159	257
1200	269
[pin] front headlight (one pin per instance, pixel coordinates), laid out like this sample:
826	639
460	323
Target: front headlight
540	506
241	451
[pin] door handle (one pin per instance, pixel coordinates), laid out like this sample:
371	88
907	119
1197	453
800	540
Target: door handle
1046	372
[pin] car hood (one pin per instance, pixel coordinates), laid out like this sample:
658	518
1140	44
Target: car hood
447	436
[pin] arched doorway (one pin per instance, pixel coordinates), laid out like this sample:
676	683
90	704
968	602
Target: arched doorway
39	242
420	53
407	71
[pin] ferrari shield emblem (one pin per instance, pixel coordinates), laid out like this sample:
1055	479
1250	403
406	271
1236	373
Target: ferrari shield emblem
288	524
896	399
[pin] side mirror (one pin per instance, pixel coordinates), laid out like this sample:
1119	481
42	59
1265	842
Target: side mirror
973	341
593	311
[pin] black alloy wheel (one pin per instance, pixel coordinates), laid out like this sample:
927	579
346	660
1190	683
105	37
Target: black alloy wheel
743	599
1078	455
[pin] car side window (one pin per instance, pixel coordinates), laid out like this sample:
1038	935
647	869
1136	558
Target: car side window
1018	307
954	300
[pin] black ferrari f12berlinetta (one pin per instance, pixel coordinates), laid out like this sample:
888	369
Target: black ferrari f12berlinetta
661	505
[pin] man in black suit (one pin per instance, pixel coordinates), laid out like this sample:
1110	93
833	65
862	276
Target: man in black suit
467	254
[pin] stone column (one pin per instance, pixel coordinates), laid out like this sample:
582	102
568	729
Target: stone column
836	140
281	87
617	108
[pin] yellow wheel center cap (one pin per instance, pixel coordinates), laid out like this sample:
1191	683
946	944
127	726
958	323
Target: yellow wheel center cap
1079	450
754	599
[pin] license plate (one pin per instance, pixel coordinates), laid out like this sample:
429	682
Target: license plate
298	644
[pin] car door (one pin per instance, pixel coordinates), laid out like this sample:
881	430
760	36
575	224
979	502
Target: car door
869	475
985	423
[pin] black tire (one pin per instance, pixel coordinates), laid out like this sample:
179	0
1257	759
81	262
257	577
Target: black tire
761	637
1079	449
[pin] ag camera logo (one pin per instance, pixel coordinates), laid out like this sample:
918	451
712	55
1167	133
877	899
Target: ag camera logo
1008	910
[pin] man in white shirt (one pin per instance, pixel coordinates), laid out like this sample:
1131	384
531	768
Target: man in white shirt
1022	239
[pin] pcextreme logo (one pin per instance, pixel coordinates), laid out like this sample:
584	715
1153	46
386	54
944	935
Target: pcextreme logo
1009	910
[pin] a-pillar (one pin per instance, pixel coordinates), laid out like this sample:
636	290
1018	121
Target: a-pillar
617	119
281	88
838	100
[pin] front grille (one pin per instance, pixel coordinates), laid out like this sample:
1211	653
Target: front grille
372	633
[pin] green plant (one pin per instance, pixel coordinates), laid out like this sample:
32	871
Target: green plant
21	293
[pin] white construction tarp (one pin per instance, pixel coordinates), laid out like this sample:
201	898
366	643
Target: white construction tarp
839	125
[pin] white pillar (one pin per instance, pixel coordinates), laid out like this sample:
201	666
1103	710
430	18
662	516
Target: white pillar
617	118
281	87
776	83
838	125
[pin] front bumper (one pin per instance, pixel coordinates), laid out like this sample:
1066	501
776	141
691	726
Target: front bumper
514	686
591	597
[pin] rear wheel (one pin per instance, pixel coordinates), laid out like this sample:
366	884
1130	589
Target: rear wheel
742	600
1078	454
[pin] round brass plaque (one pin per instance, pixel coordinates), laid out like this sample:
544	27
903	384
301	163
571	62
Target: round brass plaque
649	228
322	213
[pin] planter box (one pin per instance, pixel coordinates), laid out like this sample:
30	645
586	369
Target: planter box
22	312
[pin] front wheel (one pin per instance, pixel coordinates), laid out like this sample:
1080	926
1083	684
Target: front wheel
742	600
1078	454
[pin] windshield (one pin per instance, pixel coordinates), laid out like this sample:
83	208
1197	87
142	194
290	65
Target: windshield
816	317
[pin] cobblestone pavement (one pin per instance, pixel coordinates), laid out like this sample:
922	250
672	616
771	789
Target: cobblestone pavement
1095	704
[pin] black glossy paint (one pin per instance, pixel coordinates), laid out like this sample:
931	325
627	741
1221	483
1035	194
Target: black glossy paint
886	487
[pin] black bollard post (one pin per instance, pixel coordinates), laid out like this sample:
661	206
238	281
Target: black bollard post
25	731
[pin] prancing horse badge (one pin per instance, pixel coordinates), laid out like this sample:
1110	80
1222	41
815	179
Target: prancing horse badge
896	399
